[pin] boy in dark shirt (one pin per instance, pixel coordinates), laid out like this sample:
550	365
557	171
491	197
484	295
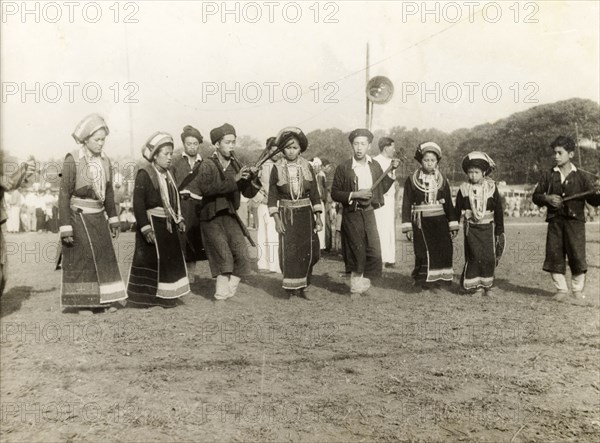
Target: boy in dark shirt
566	220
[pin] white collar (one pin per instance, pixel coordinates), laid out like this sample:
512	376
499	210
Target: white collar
197	158
573	168
356	164
83	152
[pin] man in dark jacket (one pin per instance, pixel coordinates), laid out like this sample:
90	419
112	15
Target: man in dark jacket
353	188
184	171
220	183
566	220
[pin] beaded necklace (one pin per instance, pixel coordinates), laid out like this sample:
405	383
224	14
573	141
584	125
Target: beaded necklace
478	196
429	184
295	181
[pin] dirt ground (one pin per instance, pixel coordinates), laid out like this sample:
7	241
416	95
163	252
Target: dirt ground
396	365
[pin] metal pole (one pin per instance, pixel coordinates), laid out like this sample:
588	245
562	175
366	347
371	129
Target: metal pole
577	144
368	108
127	64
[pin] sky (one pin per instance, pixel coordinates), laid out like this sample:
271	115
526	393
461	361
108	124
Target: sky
261	66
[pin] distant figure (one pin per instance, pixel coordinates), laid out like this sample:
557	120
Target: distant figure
30	209
15	201
50	201
8	183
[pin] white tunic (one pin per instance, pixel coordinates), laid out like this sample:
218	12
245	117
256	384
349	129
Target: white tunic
386	218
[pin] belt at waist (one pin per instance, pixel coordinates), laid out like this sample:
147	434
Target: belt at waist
353	208
294	203
159	211
488	217
428	210
87	205
188	195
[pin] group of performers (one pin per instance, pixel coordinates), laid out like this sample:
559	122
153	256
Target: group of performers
186	210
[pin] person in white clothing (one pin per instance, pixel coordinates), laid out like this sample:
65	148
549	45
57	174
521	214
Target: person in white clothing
15	201
267	238
386	214
317	165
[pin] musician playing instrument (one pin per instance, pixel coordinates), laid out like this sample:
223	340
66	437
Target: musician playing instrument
358	185
220	183
564	190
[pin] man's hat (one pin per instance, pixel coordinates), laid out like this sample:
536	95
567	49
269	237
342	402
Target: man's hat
360	132
217	134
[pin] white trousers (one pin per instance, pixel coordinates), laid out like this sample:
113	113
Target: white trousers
267	241
560	282
321	233
386	227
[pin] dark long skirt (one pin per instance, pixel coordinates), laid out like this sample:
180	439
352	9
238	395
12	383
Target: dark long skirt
480	256
299	247
433	250
158	271
90	272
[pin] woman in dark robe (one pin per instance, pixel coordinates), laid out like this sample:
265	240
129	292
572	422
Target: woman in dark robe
158	273
295	204
429	219
90	272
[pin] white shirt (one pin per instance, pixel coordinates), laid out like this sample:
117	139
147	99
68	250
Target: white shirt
363	173
192	160
564	177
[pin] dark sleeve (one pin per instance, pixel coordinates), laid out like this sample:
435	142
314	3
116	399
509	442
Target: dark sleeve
592	199
386	183
540	190
109	197
67	187
498	213
177	170
273	197
407	201
449	208
338	193
248	188
315	197
8	183
459	203
210	183
194	184
142	183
